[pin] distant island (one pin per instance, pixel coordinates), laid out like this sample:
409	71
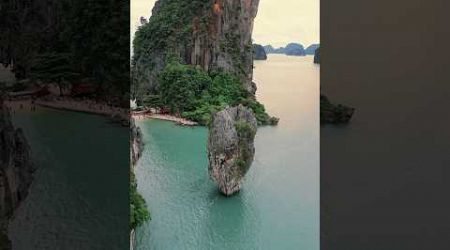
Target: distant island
292	49
259	53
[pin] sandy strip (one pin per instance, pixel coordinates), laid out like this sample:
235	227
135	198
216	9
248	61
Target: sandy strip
177	120
99	109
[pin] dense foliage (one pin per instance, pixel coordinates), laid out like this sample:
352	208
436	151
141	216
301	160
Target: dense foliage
92	35
53	67
194	94
170	25
138	208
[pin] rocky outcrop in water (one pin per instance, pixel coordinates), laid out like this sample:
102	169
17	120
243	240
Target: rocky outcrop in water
311	49
317	56
258	52
231	147
334	113
213	34
16	170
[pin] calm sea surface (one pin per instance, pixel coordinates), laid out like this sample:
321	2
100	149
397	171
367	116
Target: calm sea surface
278	206
79	195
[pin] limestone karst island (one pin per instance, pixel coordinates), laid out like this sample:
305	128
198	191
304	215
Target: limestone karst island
225	142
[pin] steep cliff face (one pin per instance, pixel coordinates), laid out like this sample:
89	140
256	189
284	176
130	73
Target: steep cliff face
136	142
15	165
16	169
231	147
137	147
214	34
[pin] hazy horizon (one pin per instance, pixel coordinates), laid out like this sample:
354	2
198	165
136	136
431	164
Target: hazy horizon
277	23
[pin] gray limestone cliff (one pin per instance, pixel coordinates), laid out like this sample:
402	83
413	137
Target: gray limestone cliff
213	34
136	142
16	170
231	147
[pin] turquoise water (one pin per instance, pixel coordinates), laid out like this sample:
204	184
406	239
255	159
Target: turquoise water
79	195
278	206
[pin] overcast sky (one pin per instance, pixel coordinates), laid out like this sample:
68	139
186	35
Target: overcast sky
279	22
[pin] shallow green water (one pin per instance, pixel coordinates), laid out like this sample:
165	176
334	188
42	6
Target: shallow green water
80	191
278	206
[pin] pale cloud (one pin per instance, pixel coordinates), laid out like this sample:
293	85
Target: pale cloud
139	8
278	22
283	21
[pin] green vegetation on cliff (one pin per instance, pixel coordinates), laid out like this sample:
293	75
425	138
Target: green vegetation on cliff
192	93
246	133
138	208
168	27
194	58
86	39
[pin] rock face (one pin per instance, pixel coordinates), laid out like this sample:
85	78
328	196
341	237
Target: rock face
317	56
258	52
311	49
137	146
16	170
214	34
231	147
334	114
136	142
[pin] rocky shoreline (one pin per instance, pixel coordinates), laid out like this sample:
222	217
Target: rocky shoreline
138	207
16	171
116	114
164	117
